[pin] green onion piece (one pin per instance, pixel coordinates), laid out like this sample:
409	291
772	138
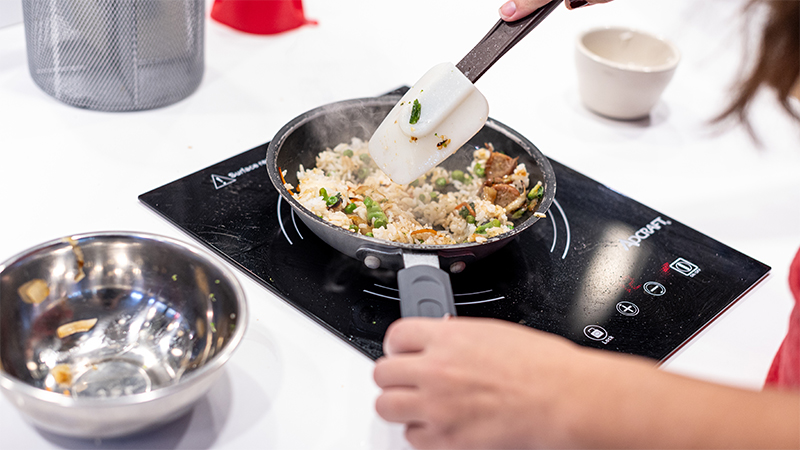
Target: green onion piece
518	213
379	223
368	202
370	234
458	175
470	218
434	195
350	208
441	182
536	192
414	183
480	170
416	108
348	153
323	193
463	212
334	199
364	157
422	197
375	213
493	224
362	173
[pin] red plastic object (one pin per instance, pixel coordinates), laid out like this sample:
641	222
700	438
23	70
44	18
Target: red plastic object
260	16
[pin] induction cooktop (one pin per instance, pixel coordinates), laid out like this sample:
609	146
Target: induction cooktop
602	269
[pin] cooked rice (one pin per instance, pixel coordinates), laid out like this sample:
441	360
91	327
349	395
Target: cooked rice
419	213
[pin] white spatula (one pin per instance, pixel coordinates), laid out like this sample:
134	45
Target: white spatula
444	109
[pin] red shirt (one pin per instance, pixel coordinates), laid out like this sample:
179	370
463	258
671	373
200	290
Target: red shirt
785	370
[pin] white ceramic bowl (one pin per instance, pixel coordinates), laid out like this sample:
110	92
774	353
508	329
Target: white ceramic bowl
622	72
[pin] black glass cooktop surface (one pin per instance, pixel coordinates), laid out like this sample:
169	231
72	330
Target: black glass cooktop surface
602	269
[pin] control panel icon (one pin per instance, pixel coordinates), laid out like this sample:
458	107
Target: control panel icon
654	288
595	332
684	267
627	308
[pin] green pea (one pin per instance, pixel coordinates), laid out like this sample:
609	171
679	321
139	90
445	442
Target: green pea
362	173
364	157
470	218
353	227
369	234
350	208
441	182
348	153
422	197
434	195
480	170
458	175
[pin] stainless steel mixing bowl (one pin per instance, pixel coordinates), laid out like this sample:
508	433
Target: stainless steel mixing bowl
107	334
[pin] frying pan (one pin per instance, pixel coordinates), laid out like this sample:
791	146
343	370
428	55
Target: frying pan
424	286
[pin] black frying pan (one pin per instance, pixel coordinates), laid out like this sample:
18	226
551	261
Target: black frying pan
424	287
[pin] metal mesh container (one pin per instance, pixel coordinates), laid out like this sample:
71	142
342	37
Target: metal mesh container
115	55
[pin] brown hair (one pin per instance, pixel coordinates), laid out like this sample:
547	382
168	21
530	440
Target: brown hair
778	61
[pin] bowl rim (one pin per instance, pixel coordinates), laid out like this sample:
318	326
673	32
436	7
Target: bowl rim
581	47
13	384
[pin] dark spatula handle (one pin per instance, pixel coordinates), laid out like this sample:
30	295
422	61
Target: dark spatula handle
499	40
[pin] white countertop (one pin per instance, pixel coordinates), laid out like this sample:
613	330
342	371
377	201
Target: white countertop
292	384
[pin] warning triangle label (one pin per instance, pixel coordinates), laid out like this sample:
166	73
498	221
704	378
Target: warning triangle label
221	181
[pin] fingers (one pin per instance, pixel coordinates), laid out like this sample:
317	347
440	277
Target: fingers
517	9
408	335
397	371
420	436
399	405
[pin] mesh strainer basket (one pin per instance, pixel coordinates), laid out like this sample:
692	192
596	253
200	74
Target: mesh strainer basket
115	55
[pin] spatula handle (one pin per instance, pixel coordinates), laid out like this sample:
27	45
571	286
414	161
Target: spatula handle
499	40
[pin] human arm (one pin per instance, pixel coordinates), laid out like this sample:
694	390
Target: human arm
517	9
486	383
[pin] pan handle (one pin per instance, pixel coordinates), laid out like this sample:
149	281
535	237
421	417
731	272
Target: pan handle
425	289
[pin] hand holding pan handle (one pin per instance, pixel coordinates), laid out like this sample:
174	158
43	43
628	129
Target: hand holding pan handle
425	289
